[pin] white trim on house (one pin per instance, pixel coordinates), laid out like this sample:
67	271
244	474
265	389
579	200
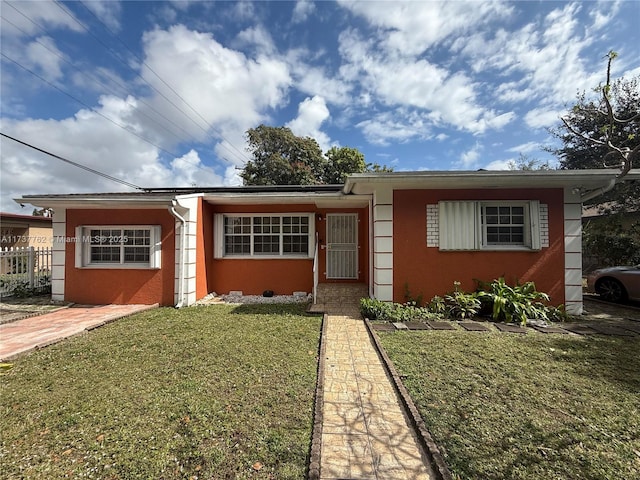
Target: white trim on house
572	252
458	225
219	237
188	204
83	244
383	244
59	224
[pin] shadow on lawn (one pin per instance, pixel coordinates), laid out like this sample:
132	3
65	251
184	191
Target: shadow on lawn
272	309
603	358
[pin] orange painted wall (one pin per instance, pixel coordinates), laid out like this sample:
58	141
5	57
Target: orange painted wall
204	253
429	271
121	286
283	276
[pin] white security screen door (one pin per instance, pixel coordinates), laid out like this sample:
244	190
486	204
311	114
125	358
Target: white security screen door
342	246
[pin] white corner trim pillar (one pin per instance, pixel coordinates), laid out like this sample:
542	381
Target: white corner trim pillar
58	253
185	258
572	252
383	244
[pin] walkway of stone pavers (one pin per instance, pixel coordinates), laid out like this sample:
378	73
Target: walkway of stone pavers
623	329
365	431
40	331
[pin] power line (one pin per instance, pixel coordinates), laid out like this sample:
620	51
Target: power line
119	38
94	78
243	157
87	106
106	27
98	81
76	164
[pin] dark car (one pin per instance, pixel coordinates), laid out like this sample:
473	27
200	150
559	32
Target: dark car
616	284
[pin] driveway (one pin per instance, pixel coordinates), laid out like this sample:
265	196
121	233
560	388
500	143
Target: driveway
37	332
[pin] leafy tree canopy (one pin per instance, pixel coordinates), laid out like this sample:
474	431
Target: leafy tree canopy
281	158
603	131
341	162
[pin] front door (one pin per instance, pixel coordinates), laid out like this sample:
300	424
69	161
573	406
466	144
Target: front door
342	246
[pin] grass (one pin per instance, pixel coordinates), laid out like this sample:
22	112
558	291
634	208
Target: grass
504	406
202	392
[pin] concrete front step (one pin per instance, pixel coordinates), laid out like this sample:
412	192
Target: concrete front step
339	292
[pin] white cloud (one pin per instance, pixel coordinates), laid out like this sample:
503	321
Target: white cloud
90	140
28	15
188	170
525	147
447	98
544	59
500	165
312	113
315	81
107	11
45	57
410	28
384	128
302	10
469	159
257	37
224	84
543	117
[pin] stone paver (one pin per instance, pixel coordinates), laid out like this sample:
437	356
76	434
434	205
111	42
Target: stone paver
36	332
365	432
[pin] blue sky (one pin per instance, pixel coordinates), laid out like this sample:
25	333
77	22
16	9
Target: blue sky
162	93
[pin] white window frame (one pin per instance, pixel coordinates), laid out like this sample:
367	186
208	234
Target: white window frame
83	247
530	228
219	236
460	225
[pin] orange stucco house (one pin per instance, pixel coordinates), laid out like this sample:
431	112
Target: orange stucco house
390	231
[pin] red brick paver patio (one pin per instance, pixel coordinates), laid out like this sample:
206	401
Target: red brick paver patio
37	332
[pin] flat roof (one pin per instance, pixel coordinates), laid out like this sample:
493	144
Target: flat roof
29	218
355	184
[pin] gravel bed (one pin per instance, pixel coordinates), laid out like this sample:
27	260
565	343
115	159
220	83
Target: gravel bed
214	298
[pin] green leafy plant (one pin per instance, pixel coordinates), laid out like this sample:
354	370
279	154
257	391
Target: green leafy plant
514	304
461	305
374	309
438	305
394	312
410	299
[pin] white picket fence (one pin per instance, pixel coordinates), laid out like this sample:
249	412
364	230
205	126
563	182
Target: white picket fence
25	269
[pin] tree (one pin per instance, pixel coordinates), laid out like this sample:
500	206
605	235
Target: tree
282	158
605	133
341	161
528	164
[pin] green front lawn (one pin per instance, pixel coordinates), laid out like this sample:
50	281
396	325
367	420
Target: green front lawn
201	392
535	406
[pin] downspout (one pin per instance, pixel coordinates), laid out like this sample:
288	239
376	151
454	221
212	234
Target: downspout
599	191
180	218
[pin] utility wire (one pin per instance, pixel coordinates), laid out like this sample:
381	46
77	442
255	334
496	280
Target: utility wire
76	164
87	106
117	57
98	81
106	27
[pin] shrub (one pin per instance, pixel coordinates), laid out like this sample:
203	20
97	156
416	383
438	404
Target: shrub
518	303
461	305
394	312
374	309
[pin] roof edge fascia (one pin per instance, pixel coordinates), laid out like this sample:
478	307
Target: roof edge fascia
484	179
94	201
